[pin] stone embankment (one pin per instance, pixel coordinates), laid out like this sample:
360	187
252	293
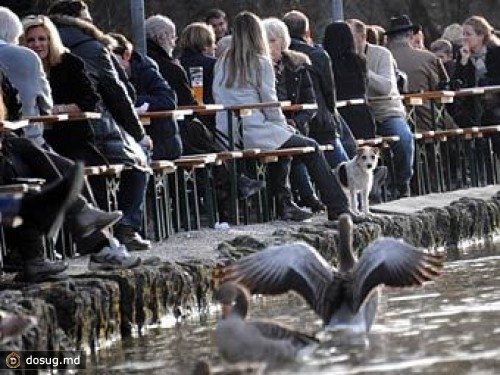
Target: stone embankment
92	307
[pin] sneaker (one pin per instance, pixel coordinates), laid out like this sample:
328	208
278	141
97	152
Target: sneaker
131	239
113	257
248	186
39	270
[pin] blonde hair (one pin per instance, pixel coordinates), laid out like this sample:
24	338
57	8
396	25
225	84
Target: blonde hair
56	47
197	36
482	27
442	45
248	44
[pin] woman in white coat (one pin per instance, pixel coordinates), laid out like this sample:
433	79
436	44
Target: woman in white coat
243	75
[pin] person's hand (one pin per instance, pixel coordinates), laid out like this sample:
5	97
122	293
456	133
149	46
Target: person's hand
464	54
147	142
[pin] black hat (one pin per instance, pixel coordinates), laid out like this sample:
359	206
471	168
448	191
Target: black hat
400	24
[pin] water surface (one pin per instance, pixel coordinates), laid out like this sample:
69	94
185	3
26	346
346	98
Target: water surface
450	326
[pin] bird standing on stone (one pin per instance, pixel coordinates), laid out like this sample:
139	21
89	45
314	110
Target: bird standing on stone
239	340
347	297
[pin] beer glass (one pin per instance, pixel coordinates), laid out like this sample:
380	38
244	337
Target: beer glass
196	75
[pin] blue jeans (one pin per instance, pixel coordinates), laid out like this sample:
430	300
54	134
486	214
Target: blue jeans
337	155
403	150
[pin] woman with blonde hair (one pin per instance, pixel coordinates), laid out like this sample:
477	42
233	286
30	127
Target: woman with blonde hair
72	90
245	75
479	65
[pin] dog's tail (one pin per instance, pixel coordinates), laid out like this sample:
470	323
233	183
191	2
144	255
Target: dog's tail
341	174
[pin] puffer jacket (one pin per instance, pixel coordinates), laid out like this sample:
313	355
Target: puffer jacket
90	44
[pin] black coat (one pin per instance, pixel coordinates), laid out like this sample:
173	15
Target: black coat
173	73
70	84
87	42
464	112
151	88
90	44
294	83
192	58
350	73
324	127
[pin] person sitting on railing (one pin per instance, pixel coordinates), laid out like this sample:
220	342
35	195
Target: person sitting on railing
120	135
479	65
389	114
294	84
245	75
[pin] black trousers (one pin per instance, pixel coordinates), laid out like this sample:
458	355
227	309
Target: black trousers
319	170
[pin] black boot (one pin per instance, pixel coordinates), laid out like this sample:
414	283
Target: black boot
248	186
128	236
290	211
46	209
39	270
313	203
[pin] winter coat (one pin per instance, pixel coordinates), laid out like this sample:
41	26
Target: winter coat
266	129
173	73
294	83
466	115
324	127
151	88
89	43
70	84
191	58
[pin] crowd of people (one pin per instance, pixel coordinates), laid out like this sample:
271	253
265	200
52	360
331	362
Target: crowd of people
61	62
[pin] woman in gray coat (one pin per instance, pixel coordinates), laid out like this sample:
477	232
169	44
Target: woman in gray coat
245	75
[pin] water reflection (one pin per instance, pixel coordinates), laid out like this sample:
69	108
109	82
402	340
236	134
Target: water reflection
447	327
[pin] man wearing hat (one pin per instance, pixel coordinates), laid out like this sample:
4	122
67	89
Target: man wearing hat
425	71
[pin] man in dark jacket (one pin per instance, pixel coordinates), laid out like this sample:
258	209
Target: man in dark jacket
153	93
120	144
328	124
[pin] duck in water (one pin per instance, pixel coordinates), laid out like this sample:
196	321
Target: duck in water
345	298
239	340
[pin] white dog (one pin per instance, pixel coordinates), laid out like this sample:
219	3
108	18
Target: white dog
356	176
